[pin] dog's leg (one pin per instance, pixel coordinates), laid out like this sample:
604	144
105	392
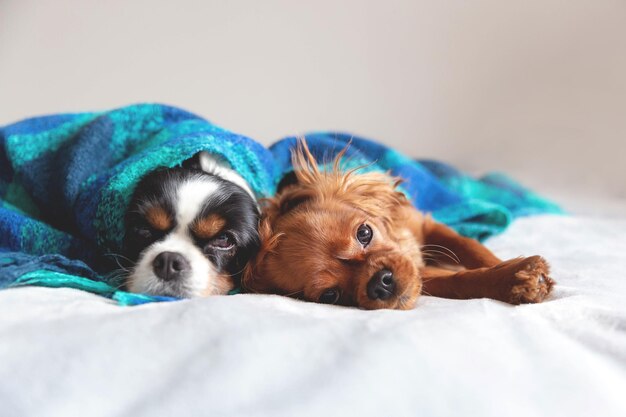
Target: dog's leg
521	280
517	281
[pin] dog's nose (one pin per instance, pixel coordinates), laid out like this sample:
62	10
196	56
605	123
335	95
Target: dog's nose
170	266
381	285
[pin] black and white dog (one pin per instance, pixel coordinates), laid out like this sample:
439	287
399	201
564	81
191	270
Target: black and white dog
190	230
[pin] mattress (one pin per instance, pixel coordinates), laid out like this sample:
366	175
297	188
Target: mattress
64	352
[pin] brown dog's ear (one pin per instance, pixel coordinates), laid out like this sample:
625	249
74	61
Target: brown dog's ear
290	198
253	278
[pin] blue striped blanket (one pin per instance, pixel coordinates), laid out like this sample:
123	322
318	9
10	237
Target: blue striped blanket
65	182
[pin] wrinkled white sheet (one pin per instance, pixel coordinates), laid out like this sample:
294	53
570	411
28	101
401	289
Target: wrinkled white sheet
68	353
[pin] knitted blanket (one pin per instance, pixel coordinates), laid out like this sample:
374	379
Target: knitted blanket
65	182
477	208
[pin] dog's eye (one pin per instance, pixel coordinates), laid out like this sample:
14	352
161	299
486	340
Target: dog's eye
330	296
143	232
364	234
223	241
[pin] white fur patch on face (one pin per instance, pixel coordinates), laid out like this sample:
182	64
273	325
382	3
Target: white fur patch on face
189	198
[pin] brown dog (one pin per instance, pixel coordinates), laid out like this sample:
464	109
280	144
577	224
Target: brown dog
352	239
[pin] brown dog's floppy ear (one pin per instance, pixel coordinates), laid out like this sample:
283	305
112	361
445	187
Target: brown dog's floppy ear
252	279
290	198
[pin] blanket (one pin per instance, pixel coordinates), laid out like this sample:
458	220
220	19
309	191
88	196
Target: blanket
65	182
478	208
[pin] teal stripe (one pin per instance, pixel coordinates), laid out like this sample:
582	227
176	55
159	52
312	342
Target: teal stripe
52	279
24	148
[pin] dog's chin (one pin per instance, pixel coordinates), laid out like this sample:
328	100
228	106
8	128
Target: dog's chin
151	285
407	300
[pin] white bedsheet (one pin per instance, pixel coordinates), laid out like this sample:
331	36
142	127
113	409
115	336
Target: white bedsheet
69	353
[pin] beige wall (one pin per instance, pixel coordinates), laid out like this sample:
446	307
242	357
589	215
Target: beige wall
535	87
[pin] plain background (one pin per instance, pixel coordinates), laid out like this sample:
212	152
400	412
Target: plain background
536	88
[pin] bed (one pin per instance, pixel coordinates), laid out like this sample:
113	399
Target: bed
65	352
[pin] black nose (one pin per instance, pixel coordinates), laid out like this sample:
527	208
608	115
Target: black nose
170	266
381	285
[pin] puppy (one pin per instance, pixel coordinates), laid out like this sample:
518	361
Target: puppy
353	239
190	230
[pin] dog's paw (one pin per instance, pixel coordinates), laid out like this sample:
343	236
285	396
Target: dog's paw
531	282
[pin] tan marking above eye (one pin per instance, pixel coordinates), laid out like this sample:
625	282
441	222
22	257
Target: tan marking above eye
158	218
209	226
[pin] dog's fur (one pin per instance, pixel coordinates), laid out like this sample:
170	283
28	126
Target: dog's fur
314	246
190	230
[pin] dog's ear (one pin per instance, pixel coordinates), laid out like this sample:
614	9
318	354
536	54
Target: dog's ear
253	278
289	199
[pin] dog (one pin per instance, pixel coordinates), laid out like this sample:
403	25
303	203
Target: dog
190	230
353	239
